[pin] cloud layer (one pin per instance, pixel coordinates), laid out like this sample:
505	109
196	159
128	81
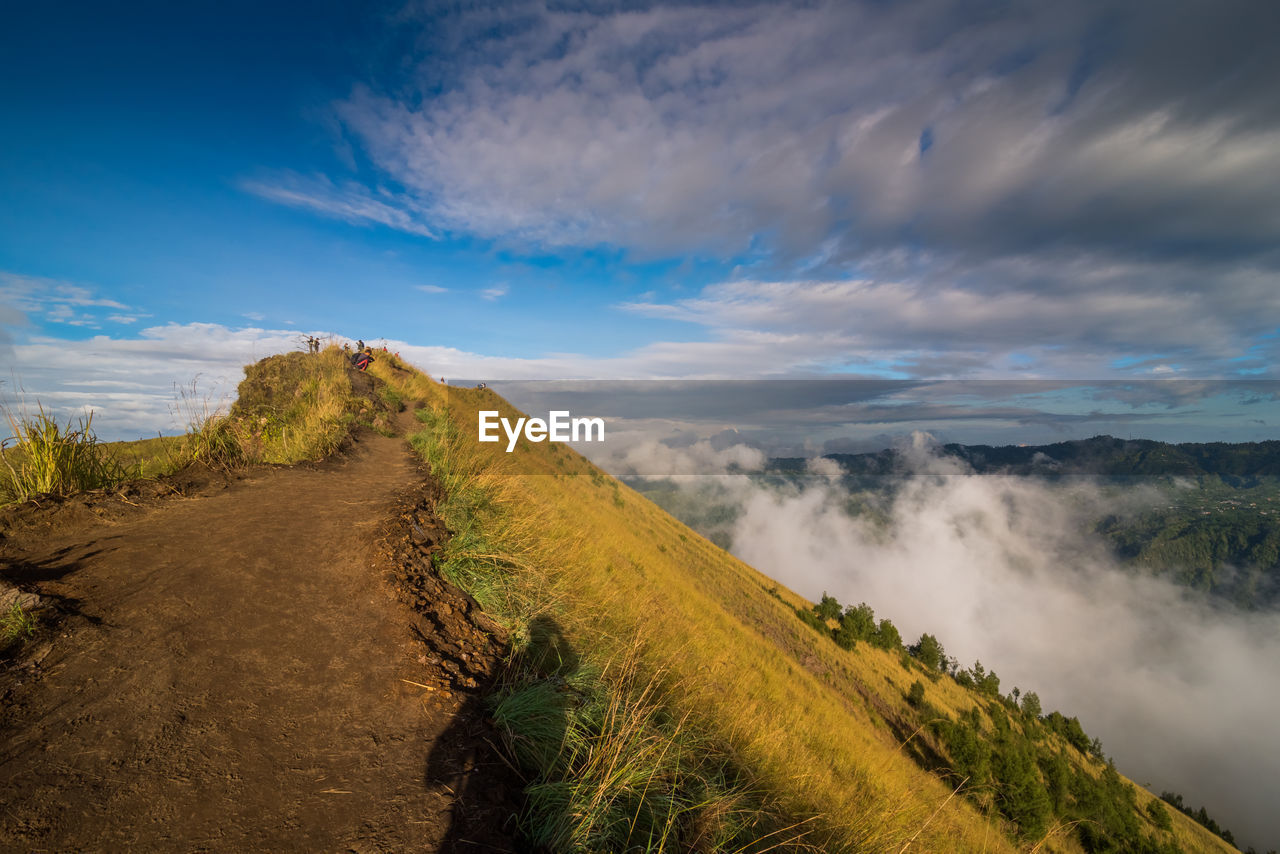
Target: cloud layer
1054	187
58	302
826	128
134	386
1067	320
1181	693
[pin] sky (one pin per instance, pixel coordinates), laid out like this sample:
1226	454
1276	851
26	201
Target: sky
925	192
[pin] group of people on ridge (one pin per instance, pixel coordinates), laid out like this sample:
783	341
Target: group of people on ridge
361	358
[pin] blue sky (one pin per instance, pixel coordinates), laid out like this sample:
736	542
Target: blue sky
136	137
906	190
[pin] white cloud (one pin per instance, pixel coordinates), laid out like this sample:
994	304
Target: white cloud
431	289
131	384
495	292
630	451
53	301
1180	692
157	358
1082	197
349	202
59	313
799	127
823	467
1081	321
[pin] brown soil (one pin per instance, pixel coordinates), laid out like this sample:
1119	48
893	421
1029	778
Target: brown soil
266	662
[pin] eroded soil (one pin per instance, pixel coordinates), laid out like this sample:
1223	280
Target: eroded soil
266	662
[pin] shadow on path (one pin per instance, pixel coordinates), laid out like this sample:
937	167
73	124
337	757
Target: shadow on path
471	742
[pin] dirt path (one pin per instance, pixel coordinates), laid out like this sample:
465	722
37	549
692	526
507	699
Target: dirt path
231	675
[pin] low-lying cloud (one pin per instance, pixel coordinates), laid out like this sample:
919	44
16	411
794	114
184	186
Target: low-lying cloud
1180	691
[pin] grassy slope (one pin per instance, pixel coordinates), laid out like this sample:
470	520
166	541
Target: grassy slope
821	727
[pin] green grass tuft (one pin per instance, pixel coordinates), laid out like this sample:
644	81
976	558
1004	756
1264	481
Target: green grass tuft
42	457
16	625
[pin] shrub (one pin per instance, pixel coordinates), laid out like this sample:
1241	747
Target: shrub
213	441
858	623
813	621
1159	815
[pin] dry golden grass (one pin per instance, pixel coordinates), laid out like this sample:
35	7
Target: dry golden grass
296	407
821	729
291	408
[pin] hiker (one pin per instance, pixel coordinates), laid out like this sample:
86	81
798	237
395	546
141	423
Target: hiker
363	360
359	345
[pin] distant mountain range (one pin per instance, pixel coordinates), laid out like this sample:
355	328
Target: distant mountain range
1100	455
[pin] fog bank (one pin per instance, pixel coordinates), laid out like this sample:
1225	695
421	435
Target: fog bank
1181	692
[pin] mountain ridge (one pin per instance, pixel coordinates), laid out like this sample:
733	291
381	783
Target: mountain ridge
662	694
1098	455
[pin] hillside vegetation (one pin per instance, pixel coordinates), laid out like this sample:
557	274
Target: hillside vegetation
665	696
1207	534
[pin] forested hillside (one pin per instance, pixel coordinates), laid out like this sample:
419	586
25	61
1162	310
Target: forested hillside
1238	463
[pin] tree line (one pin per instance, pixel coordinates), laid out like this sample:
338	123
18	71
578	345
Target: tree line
1006	754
